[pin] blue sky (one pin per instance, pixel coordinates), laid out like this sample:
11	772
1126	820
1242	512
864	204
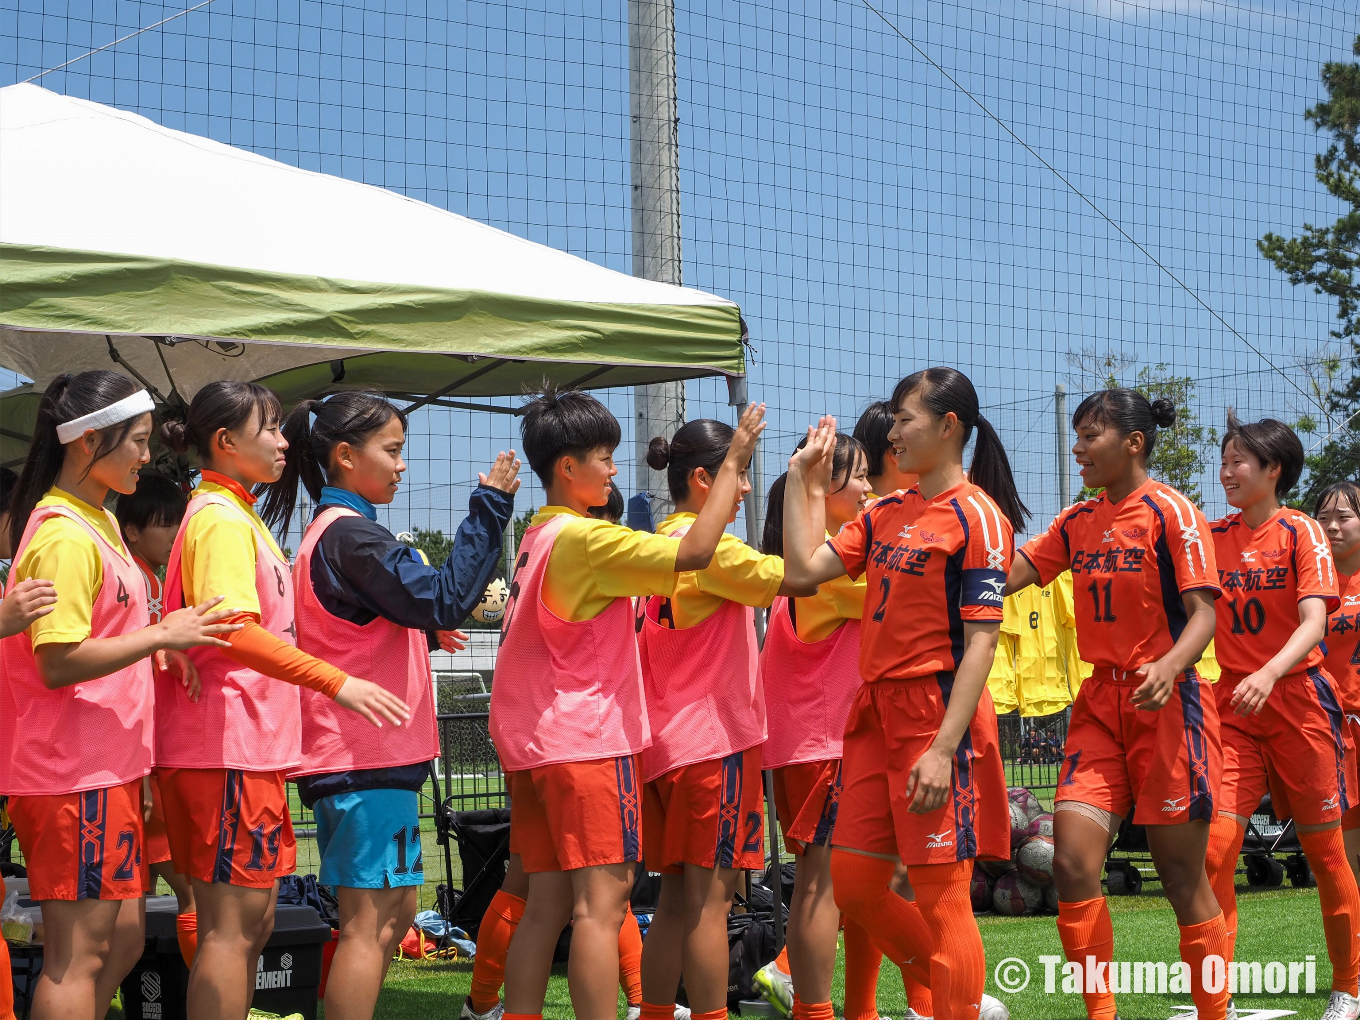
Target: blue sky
868	217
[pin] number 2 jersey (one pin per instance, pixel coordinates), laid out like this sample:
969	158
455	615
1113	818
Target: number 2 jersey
1131	562
931	565
1265	573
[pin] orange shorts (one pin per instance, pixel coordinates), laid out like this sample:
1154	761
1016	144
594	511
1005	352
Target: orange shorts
228	826
891	724
806	796
157	839
83	846
1351	818
709	814
1295	747
1168	762
577	814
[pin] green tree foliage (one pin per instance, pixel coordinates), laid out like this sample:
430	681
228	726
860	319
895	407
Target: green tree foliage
1326	258
434	544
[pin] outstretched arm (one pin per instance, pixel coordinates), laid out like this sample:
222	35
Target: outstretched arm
699	544
808	560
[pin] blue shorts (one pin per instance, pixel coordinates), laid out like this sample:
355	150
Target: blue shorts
370	839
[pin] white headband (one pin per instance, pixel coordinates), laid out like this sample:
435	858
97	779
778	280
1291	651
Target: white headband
119	411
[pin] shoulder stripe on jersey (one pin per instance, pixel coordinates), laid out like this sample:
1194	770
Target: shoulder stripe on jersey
1185	517
996	554
1322	550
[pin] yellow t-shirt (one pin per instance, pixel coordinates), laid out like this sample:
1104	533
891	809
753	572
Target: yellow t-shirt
820	615
64	553
737	573
594	562
1047	673
218	555
1208	665
1001	679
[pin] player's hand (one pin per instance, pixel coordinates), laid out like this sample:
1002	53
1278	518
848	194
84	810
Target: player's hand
25	602
749	428
372	701
504	474
148	799
1155	690
814	460
1250	695
169	661
197	625
929	782
452	640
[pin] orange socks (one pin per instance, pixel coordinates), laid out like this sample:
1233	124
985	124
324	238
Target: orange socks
630	958
493	941
862	960
1198	941
651	1011
895	925
812	1011
1326	852
1085	930
186	931
712	1014
1220	864
958	966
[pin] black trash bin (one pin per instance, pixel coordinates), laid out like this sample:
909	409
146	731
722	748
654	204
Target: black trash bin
286	980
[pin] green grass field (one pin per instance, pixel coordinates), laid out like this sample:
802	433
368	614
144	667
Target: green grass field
1280	924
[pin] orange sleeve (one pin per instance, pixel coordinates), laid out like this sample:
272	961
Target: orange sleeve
851	544
255	647
1313	559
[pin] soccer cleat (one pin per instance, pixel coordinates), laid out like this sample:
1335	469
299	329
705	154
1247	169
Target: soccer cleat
494	1013
910	1014
1231	1014
993	1009
1341	1007
682	1013
634	1012
776	988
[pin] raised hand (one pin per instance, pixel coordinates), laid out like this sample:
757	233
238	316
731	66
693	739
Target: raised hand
197	625
504	474
372	701
815	459
25	602
749	428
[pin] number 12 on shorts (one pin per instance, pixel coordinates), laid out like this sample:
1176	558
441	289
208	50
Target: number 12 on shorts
407	840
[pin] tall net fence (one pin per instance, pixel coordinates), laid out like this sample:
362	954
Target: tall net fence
1038	193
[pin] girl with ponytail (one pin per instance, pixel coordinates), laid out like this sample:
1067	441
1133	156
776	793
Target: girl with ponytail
221	761
1144	728
921	775
76	689
702	803
369	604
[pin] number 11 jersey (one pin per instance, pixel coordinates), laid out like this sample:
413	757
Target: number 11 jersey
1131	562
1265	573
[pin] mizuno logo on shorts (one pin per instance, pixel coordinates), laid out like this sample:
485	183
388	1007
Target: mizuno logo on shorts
1173	805
937	839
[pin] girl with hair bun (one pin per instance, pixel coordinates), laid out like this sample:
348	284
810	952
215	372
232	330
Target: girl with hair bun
702	796
221	761
372	606
1144	727
76	691
922	782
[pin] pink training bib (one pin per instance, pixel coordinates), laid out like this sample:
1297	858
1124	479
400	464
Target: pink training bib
564	691
808	689
242	719
89	735
335	739
703	686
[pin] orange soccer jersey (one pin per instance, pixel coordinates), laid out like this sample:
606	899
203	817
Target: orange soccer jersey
1265	573
931	565
1341	647
1130	563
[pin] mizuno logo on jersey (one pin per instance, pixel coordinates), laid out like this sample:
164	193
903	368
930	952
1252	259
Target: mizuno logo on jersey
937	839
1248	555
1108	536
906	531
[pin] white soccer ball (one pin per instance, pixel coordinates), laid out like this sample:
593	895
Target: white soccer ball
492	606
993	1009
1007	897
1027	801
1034	860
1041	825
1032	894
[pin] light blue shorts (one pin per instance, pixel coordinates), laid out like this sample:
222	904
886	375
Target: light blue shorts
370	839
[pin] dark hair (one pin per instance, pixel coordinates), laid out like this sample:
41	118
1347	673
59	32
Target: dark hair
8	482
701	443
564	423
1126	411
1270	441
350	417
157	502
224	404
1339	491
945	390
66	398
848	451
612	509
872	432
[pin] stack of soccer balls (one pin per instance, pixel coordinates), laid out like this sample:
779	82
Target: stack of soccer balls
1023	884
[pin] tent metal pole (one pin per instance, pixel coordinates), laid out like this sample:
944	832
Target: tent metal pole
658	408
